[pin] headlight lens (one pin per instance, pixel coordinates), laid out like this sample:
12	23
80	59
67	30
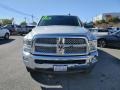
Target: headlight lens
27	45
27	42
92	45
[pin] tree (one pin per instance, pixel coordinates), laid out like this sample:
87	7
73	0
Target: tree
6	21
23	23
114	20
101	22
33	23
97	22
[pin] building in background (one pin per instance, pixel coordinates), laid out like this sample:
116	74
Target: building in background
106	16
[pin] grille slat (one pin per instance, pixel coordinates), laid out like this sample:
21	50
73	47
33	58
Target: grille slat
60	61
75	41
46	40
43	49
72	46
77	50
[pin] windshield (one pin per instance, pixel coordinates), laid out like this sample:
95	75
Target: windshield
59	20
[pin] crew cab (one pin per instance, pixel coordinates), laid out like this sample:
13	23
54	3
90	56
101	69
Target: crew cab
110	40
4	33
59	43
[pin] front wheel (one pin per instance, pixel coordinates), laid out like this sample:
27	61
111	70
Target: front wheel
87	71
29	69
21	34
102	43
6	36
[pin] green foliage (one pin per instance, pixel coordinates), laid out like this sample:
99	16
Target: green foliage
111	20
34	23
100	22
5	21
103	21
23	23
114	20
97	22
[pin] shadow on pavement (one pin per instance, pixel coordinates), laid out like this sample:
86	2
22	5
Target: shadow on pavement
3	41
104	76
112	47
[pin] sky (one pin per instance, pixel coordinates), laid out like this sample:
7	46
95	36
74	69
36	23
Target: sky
85	9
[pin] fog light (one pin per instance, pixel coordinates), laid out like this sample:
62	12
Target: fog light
93	60
88	61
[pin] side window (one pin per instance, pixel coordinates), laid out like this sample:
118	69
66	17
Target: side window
80	22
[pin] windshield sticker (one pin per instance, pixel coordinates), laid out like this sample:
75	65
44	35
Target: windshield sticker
46	18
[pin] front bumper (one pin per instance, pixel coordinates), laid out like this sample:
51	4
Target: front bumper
29	61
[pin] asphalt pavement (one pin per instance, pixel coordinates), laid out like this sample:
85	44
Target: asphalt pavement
13	75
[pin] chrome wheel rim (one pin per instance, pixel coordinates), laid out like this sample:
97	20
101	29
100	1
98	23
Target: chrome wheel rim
102	43
6	36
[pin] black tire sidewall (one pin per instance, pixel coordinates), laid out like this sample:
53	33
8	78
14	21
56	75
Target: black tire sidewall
6	36
101	43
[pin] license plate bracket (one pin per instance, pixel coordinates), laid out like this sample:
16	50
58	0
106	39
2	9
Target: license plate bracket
60	67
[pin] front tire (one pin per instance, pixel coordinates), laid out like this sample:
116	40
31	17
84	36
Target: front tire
6	36
102	43
87	71
29	69
21	34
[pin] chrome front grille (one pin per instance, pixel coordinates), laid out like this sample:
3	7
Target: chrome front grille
75	50
75	41
46	40
44	49
60	46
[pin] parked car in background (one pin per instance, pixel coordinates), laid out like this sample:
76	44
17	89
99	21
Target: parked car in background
30	27
24	29
11	28
113	29
4	33
99	33
110	40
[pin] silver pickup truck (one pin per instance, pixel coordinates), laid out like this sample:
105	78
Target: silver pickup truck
60	43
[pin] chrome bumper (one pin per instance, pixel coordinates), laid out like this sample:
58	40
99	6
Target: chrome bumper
29	61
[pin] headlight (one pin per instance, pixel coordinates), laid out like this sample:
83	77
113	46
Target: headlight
27	45
92	45
27	42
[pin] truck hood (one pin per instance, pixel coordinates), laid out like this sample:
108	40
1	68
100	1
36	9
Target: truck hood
54	30
58	30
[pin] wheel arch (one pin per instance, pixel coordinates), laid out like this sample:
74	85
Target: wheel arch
102	39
